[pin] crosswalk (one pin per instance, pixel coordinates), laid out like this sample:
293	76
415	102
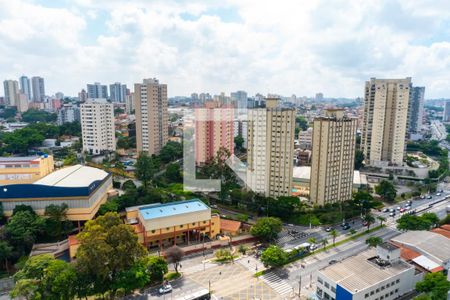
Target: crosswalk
276	283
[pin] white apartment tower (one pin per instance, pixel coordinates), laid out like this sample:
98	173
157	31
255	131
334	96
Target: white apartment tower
97	126
385	120
333	157
11	88
150	104
270	149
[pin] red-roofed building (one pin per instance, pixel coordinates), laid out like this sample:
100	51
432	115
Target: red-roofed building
229	227
442	231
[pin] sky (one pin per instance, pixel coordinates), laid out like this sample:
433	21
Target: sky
284	47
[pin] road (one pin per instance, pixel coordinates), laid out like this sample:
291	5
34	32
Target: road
438	130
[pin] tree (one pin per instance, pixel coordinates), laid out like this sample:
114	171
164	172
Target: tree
239	142
145	168
359	158
171	152
174	255
422	297
369	219
435	285
301	123
157	267
381	219
266	228
173	172
26	288
107	248
129	184
22	230
274	256
6	251
57	224
324	242
413	222
23	207
312	240
374	241
35	115
334	234
386	190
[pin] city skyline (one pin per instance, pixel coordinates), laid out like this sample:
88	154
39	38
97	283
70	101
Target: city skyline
301	49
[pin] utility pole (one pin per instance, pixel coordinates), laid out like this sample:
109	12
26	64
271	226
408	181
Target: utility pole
299	285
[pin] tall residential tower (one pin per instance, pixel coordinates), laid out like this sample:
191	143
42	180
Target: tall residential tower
416	103
11	88
38	87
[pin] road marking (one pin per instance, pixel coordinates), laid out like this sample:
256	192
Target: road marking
276	283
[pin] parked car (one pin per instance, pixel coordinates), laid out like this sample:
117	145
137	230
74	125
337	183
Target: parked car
385	210
392	210
392	214
398	208
166	288
422	197
332	262
345	226
409	202
402	209
328	229
438	194
429	197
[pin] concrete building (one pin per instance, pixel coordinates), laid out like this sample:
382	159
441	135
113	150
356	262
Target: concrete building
240	99
11	88
167	224
28	169
38	88
22	103
385	120
240	127
97	126
152	117
416	103
305	138
25	86
213	130
68	113
82	188
97	91
270	150
371	275
82	96
333	158
118	92
446	116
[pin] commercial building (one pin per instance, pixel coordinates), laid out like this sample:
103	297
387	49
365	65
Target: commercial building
371	275
28	169
213	130
11	88
446	116
118	92
270	150
82	188
38	88
97	126
25	86
333	158
97	91
152	117
416	103
164	225
385	120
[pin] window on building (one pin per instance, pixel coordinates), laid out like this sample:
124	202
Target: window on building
327	285
319	280
366	296
397	281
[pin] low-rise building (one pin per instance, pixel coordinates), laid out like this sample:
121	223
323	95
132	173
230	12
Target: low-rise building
167	224
371	275
28	169
82	188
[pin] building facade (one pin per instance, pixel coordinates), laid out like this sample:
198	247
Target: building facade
270	150
11	88
118	92
416	103
333	158
446	117
213	130
38	89
305	138
97	126
25	86
97	91
240	99
68	113
385	121
15	170
152	117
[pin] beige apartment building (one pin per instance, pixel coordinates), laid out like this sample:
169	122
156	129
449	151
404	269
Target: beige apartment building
270	153
150	104
23	170
97	126
11	88
334	138
214	129
385	121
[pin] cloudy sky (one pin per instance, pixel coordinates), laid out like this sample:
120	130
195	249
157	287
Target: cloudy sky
287	47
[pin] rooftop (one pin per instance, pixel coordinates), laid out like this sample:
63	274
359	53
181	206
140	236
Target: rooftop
388	246
155	211
433	245
357	273
22	158
229	225
74	176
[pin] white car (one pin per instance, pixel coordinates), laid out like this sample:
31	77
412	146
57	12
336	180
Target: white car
438	194
167	288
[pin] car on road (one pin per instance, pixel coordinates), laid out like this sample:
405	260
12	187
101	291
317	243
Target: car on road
328	229
392	214
438	194
429	197
345	226
166	288
313	247
398	208
332	262
409	202
422	197
392	210
402	209
385	210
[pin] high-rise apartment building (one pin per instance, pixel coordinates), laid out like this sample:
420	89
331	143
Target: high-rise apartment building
446	117
385	120
240	98
333	157
97	91
38	88
25	86
270	149
213	130
11	88
68	113
82	96
97	126
118	92
416	102
21	103
150	104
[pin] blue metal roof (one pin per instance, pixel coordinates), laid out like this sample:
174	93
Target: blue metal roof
172	208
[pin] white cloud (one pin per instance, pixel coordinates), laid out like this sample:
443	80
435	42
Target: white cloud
285	47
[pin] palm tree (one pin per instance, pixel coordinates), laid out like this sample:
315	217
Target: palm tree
324	242
334	234
381	219
312	240
374	241
369	219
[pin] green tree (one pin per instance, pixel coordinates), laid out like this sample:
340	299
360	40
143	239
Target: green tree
386	190
239	142
369	219
171	152
26	288
6	251
173	172
157	267
324	242
22	230
129	184
107	248
374	241
334	234
57	223
414	222
266	228
435	285
111	205
422	297
359	158
23	207
274	256
381	219
145	168
59	281
312	240
301	123
34	115
174	256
